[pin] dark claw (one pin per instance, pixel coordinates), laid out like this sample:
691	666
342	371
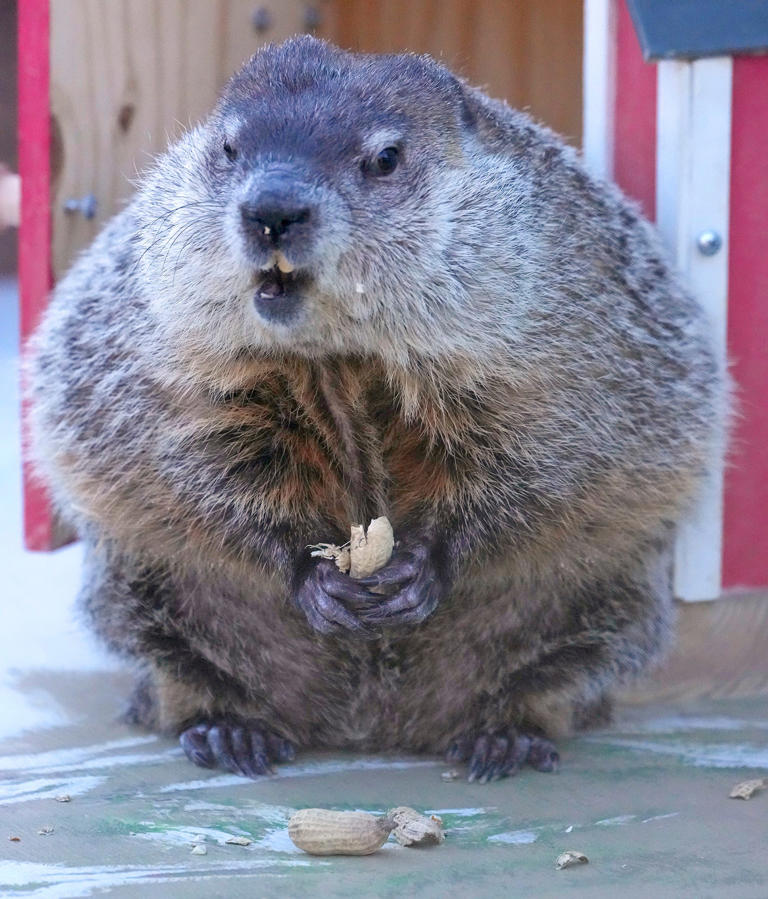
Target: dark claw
195	745
493	755
260	755
461	749
543	756
279	749
516	756
219	739
239	747
454	753
479	760
405	608
320	592
243	752
333	611
496	756
341	586
398	571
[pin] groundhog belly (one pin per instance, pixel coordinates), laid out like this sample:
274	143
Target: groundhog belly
342	693
415	691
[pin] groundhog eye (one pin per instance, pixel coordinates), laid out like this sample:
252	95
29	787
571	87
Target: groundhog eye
229	150
386	161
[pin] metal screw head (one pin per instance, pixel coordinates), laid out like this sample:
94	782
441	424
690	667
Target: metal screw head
313	18
709	242
261	19
86	205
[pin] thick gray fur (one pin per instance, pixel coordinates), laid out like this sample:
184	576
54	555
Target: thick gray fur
492	350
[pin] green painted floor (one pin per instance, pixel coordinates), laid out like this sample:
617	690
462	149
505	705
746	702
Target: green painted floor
647	802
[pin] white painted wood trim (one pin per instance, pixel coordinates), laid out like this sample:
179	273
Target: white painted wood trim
599	86
693	150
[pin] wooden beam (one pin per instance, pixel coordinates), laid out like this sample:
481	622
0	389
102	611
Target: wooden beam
692	198
719	653
35	227
599	93
745	555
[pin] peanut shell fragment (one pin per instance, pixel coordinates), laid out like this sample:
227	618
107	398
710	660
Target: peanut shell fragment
371	550
320	831
747	788
413	829
238	841
570	858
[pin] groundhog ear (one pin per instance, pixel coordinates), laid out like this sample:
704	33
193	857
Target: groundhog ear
490	120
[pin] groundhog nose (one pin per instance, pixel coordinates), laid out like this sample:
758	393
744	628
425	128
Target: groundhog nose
273	216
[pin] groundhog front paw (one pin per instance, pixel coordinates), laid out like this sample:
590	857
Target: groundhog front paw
242	747
327	597
492	755
412	585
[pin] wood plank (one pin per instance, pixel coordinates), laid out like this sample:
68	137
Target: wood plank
126	78
719	653
527	52
554	47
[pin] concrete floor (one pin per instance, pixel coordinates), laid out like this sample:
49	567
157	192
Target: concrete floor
646	801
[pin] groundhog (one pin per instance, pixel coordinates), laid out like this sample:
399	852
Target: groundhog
362	288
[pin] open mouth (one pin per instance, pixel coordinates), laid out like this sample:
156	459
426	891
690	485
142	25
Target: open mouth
275	283
278	290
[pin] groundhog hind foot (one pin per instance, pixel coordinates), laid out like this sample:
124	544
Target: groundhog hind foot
242	747
492	755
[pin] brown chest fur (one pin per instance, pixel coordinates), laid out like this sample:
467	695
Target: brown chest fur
336	440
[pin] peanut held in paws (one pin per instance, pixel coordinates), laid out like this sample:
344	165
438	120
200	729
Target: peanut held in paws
366	552
372	550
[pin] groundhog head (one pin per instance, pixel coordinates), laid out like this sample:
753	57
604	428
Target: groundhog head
332	202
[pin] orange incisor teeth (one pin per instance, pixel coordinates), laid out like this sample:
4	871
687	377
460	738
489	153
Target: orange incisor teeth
283	264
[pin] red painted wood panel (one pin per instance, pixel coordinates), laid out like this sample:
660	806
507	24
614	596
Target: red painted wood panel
35	276
634	162
745	553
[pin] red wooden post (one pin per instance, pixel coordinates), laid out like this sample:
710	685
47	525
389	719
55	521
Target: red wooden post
35	275
745	554
634	155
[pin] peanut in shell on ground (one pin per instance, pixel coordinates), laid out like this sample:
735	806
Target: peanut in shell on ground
321	831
